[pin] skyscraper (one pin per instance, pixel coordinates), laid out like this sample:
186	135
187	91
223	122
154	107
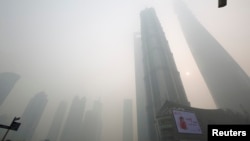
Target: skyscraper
7	82
91	129
57	122
162	79
127	120
141	101
73	122
227	82
31	117
160	70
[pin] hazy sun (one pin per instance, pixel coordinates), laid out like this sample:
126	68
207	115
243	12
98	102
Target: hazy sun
187	73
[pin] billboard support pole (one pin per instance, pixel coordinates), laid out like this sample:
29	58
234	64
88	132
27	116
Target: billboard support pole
15	118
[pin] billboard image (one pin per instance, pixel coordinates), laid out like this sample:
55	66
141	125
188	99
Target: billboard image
186	122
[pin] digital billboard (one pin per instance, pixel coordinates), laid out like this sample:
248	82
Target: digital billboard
186	122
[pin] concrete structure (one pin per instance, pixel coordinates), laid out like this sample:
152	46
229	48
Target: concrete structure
161	77
7	82
72	124
57	122
91	129
197	121
226	80
160	71
127	121
141	102
31	117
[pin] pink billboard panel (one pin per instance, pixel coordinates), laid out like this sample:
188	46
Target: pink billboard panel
186	122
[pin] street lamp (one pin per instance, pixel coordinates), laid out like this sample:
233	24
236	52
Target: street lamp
13	126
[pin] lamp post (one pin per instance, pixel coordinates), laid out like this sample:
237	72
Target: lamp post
13	126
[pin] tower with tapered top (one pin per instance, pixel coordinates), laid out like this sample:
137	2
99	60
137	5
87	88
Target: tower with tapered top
228	84
162	81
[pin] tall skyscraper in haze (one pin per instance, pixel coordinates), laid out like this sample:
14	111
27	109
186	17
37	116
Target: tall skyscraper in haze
91	129
31	117
74	118
127	120
57	122
141	101
227	82
7	82
161	77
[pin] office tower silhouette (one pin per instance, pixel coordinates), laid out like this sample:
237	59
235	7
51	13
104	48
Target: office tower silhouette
141	101
127	120
57	122
31	117
92	124
72	124
162	79
229	85
160	70
7	82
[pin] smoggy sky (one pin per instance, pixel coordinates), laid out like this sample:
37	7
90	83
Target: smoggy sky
85	47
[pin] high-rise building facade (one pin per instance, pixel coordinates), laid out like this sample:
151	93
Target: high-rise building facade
72	124
141	101
160	71
31	117
127	120
91	127
161	77
57	122
226	80
7	82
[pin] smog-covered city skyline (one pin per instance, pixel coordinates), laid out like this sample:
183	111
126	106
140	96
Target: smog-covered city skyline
86	49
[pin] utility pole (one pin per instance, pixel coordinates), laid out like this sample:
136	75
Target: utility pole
13	126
